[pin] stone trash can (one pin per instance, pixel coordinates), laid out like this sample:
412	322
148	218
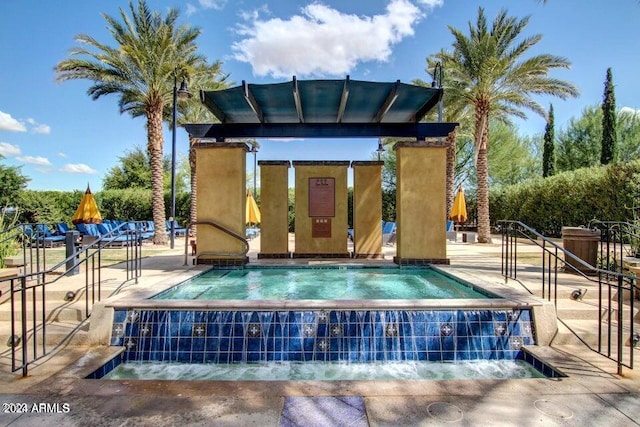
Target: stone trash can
583	243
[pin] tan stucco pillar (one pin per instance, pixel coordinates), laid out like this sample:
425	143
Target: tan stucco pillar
221	177
274	209
421	203
367	209
321	209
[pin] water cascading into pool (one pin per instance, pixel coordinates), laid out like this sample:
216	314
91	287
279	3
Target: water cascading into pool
387	335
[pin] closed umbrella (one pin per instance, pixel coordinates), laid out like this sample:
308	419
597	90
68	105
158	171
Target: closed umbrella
252	211
459	208
87	212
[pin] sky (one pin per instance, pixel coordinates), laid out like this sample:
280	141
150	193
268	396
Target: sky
64	140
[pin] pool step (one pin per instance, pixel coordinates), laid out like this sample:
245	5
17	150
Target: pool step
56	308
55	334
587	333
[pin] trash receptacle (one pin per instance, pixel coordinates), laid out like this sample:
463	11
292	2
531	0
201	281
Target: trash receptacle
583	243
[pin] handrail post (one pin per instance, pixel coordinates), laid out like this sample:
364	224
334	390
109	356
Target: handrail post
23	296
620	320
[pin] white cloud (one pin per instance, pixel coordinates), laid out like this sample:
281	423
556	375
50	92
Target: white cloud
630	111
43	129
34	160
7	149
9	123
191	9
323	41
78	168
431	3
212	4
61	154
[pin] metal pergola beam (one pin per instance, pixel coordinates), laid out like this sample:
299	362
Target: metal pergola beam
388	103
297	100
420	131
251	100
343	100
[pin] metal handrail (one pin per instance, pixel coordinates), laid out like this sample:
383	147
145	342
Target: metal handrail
606	279
221	228
37	323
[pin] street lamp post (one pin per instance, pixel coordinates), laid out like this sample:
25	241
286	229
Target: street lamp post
438	75
380	149
181	93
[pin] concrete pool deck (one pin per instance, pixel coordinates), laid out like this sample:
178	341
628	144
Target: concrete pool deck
592	394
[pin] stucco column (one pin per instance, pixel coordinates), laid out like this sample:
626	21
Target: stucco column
367	209
221	191
274	209
321	209
421	203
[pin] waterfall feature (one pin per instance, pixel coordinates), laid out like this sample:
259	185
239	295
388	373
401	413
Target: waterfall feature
200	336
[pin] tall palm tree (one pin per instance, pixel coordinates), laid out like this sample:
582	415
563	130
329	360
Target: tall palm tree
150	52
204	77
487	70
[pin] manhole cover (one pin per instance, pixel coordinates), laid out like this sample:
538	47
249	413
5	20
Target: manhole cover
553	409
444	411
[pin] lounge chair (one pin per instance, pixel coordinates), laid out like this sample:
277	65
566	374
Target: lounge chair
452	235
46	237
104	232
62	228
177	230
389	233
252	232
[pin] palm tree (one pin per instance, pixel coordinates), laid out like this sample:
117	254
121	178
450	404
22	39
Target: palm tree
487	70
151	52
204	77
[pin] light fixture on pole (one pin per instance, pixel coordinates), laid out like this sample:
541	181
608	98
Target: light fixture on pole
438	76
254	150
380	149
181	93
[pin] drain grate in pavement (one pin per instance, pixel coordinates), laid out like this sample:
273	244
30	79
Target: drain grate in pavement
553	409
443	411
324	411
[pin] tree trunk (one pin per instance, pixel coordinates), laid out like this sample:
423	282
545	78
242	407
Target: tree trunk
154	146
451	170
193	212
481	135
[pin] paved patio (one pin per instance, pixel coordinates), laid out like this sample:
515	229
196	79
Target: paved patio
593	394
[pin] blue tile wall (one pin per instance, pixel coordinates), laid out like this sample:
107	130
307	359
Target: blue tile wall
332	335
105	369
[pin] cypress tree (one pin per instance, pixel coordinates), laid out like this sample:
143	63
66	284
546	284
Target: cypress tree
607	153
548	155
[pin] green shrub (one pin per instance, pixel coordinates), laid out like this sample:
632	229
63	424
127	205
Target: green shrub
9	246
570	198
48	206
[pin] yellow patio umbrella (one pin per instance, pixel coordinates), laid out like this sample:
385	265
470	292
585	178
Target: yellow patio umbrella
459	208
87	212
252	211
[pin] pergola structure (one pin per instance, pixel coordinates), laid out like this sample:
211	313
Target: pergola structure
322	109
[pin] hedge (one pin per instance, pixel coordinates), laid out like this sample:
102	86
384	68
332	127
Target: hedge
60	206
570	198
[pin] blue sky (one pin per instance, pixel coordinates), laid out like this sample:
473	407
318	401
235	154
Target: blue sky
64	140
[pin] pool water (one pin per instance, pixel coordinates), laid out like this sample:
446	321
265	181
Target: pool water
326	371
322	284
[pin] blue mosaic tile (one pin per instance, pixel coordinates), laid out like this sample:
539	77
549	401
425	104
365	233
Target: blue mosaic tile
348	335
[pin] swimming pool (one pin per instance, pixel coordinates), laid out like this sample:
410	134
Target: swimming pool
323	284
233	333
